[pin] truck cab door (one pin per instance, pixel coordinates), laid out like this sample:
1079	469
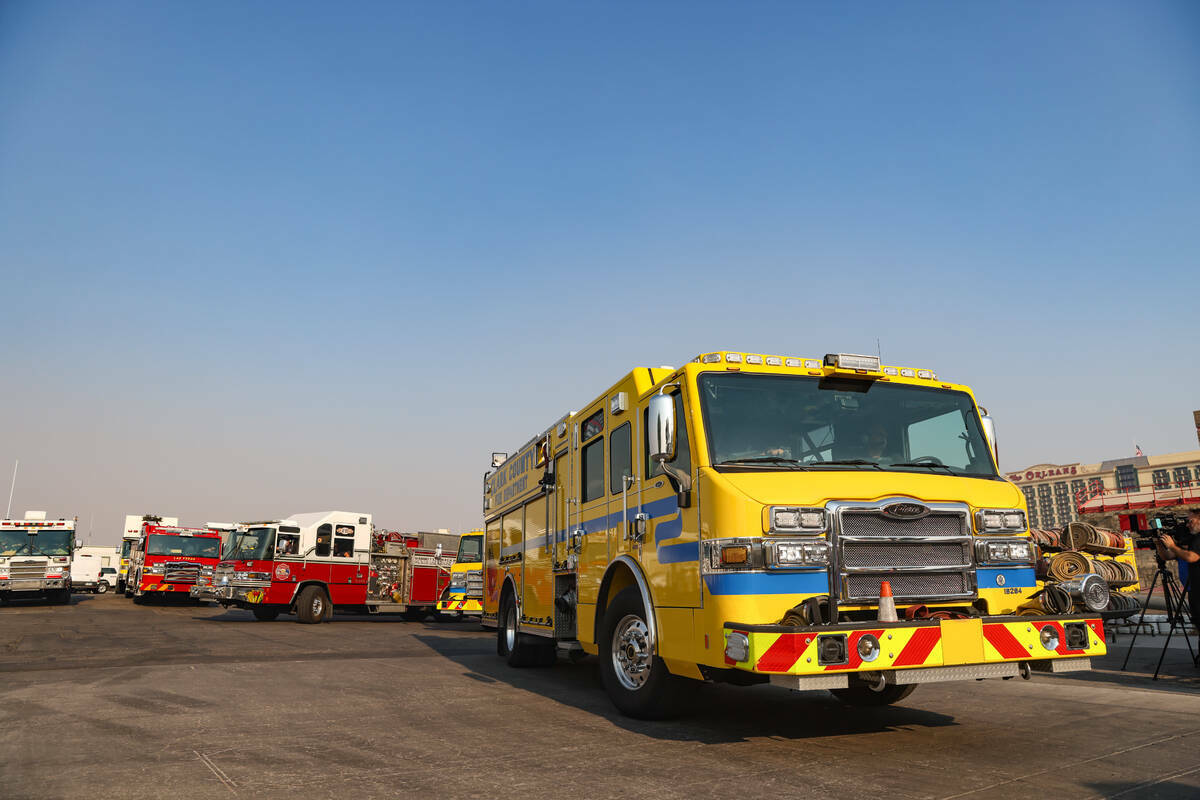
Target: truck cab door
670	543
592	516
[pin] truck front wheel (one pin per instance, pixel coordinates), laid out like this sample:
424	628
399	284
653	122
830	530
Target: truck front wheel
265	614
861	695
636	680
313	605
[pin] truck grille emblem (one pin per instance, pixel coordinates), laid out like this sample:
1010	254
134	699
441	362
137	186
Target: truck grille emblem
906	510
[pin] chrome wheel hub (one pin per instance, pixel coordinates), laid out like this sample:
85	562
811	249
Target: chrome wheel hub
510	629
318	606
631	652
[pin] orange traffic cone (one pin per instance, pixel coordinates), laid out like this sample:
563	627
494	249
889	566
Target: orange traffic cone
887	606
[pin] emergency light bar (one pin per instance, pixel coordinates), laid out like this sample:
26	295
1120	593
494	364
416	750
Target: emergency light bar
852	361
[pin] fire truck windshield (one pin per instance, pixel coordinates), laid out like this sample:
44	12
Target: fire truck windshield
160	544
43	543
125	543
775	422
254	544
53	543
470	549
14	543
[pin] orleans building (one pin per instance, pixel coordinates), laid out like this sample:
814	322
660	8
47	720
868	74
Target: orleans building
1055	492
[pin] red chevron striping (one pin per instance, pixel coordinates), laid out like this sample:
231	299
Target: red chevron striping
1005	643
919	647
1097	626
785	652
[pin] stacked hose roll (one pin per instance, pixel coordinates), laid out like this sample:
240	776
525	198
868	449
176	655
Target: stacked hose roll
1045	539
1055	600
1068	565
1076	535
1122	602
1115	571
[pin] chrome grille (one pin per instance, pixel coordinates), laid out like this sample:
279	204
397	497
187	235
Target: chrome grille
873	555
911	585
877	525
474	585
924	559
27	570
180	572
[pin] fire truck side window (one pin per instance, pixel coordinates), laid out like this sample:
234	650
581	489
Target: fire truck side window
593	470
324	543
343	541
620	459
287	544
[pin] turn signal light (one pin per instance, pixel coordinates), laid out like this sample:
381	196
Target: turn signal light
735	554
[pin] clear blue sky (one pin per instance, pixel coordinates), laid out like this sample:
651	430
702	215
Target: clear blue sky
276	257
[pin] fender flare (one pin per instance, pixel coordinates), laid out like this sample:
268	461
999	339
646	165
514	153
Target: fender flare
302	585
509	582
643	588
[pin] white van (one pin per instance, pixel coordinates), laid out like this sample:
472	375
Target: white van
85	574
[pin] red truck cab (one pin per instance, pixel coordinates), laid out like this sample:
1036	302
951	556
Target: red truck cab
166	560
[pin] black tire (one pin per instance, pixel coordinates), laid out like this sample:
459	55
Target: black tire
102	588
266	614
865	696
651	692
139	599
415	615
521	649
313	605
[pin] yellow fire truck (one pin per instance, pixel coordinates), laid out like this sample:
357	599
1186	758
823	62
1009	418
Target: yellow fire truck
463	597
733	520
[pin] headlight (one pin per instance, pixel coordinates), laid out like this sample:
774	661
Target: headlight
206	570
458	580
1000	520
786	519
1004	551
797	553
251	576
156	569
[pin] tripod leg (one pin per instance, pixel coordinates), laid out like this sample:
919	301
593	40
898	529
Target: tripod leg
1138	627
1175	612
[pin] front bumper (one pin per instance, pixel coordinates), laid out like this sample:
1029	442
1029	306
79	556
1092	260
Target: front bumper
232	594
455	605
779	650
33	584
154	585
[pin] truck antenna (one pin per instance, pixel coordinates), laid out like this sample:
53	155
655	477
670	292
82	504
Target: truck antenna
878	352
12	486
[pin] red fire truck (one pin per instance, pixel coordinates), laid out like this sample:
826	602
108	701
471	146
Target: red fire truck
309	564
167	559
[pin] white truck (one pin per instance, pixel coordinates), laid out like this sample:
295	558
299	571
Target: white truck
35	557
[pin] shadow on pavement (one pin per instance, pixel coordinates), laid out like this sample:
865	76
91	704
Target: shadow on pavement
1150	790
719	714
1178	673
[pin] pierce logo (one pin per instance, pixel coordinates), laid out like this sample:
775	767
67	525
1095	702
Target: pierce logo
906	510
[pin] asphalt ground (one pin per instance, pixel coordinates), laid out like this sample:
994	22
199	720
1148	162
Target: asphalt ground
103	698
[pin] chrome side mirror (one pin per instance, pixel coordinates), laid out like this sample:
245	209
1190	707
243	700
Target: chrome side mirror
661	427
989	432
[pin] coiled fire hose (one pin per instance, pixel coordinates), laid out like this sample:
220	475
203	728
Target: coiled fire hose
1067	565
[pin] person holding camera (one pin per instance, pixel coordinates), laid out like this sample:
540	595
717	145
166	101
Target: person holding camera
1167	548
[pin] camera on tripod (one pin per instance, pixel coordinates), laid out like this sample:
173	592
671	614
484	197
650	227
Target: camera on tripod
1167	524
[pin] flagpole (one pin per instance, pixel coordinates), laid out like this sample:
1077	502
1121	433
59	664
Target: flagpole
12	486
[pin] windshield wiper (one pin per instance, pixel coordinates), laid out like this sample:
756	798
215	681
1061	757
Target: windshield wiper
847	462
928	464
779	460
